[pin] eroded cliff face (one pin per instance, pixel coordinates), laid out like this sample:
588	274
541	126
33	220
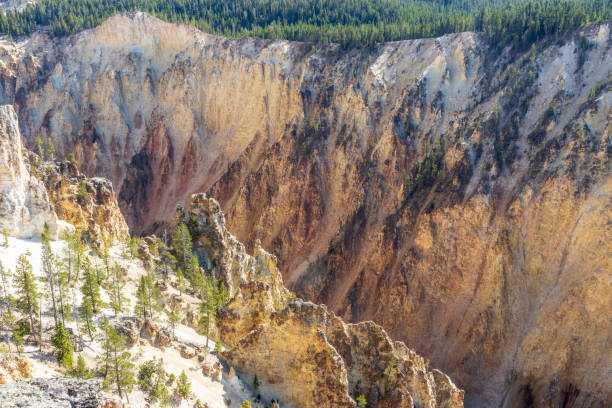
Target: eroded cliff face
303	355
458	195
24	205
88	204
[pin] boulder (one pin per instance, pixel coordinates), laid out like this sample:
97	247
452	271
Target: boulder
210	365
129	329
149	330
187	352
163	338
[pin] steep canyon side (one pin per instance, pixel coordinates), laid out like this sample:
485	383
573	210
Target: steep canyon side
457	194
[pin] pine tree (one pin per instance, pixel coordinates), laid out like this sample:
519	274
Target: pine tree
208	306
91	299
213	295
99	274
50	150
142	299
152	379
154	301
40	150
27	291
173	320
86	314
49	267
19	332
147	298
5	286
7	320
193	271
74	254
72	263
133	247
180	281
81	370
63	292
82	194
63	345
90	288
163	258
117	299
182	246
115	362
40	324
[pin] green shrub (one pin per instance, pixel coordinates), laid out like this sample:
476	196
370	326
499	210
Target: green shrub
183	385
81	370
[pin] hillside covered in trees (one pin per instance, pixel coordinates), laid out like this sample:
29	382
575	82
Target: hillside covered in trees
352	23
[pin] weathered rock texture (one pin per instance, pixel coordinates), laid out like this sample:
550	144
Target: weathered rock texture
33	194
217	248
308	357
14	367
303	355
51	393
459	196
89	204
131	329
24	205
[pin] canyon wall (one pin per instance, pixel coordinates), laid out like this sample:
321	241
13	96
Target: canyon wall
458	194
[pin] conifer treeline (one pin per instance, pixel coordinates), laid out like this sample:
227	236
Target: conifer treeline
352	23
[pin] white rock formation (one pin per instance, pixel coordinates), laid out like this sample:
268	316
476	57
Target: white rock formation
24	205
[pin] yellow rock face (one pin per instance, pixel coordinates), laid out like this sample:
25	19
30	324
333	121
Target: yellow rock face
89	204
301	354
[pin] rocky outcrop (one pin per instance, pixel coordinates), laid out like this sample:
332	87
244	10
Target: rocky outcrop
51	393
302	354
24	205
89	204
217	248
308	357
131	329
454	193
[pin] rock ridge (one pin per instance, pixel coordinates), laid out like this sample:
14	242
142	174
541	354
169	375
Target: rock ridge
302	354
